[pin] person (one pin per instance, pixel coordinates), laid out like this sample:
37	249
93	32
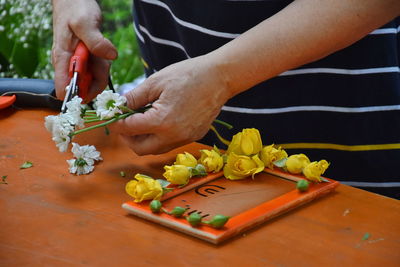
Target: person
316	77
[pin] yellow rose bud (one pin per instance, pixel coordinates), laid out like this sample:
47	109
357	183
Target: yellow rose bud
270	154
296	163
248	142
144	188
212	160
240	167
186	159
314	170
177	174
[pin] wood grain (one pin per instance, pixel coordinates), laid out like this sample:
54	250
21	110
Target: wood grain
52	218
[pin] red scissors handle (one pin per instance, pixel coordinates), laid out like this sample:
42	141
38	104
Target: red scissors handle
79	63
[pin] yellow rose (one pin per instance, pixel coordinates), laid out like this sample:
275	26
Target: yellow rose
240	167
177	174
144	188
248	142
270	154
296	163
186	159
212	160
315	169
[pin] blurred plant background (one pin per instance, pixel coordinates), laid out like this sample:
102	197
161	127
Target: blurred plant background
26	39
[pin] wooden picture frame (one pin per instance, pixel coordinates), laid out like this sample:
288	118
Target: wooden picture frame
248	202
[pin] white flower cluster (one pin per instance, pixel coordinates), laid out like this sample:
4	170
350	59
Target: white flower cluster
84	159
27	22
63	127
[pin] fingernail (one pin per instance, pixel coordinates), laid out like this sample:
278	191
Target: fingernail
112	54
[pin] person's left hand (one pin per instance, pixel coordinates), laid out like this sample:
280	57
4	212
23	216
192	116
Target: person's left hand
186	97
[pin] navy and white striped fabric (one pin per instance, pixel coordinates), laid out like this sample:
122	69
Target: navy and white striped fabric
344	108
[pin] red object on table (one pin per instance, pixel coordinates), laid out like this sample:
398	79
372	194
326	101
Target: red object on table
6	101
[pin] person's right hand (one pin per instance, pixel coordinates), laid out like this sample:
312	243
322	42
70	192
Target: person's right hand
75	20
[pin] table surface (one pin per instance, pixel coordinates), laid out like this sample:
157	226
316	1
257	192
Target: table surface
52	218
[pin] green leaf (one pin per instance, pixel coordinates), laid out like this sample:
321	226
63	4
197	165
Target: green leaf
199	170
164	183
25	60
6	46
26	165
365	237
280	163
4	179
324	180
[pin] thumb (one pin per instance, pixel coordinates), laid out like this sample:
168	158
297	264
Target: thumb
144	94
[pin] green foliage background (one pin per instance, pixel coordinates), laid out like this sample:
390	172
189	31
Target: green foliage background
26	39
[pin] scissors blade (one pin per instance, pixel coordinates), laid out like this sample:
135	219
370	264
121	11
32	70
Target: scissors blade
71	91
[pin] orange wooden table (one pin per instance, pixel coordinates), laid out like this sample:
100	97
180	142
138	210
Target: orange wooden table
52	218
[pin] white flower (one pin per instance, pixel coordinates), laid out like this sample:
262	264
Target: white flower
85	156
74	110
79	166
87	152
49	122
60	128
108	104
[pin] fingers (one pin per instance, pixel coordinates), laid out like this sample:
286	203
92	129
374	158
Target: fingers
137	124
100	69
71	23
149	144
61	62
97	44
85	24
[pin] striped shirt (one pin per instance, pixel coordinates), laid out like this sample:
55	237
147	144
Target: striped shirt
344	108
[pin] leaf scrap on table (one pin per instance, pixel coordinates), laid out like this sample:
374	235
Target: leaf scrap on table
4	179
26	165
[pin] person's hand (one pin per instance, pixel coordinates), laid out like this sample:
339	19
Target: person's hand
75	20
186	97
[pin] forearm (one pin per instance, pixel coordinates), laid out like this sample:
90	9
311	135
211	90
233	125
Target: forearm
303	32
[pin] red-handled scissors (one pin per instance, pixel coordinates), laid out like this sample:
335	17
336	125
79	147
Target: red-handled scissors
79	74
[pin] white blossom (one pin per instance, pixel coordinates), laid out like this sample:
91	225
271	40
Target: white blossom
108	104
60	128
74	110
74	167
85	157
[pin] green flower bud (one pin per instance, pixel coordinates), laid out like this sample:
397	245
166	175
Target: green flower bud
178	211
302	185
194	219
155	206
218	221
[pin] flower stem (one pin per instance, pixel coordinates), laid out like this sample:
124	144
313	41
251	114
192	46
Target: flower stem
126	109
223	140
90	116
227	125
120	117
93	120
